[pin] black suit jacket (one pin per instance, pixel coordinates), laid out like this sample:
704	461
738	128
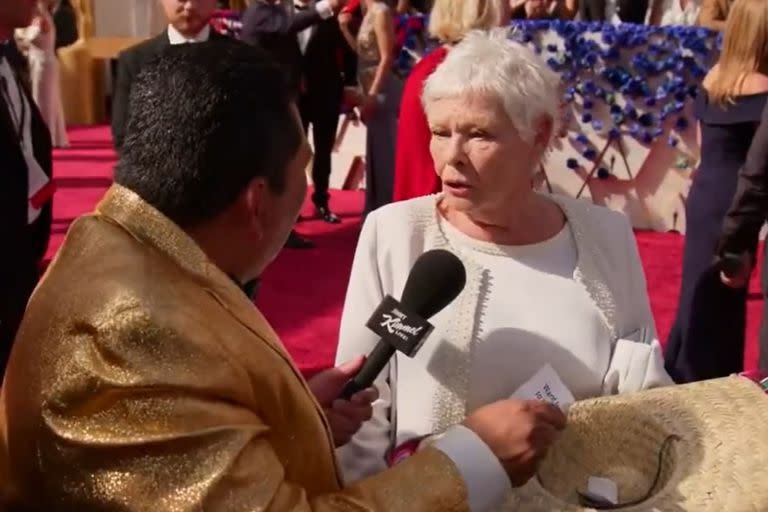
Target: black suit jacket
328	62
25	243
129	65
749	208
274	28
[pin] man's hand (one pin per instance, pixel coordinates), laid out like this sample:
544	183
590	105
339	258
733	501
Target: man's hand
738	270
518	433
345	416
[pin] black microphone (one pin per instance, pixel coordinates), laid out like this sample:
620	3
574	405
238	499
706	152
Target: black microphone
435	280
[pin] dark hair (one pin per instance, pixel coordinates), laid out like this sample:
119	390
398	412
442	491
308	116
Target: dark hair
204	120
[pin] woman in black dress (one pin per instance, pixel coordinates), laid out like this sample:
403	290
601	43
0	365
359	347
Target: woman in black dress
707	339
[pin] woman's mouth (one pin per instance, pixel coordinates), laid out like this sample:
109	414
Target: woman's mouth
457	188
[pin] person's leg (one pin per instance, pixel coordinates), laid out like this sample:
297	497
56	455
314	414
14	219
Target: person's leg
295	241
324	128
632	11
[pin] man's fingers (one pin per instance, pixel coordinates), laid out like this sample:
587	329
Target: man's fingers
342	426
365	396
354	412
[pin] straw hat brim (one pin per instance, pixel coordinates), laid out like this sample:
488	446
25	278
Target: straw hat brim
715	432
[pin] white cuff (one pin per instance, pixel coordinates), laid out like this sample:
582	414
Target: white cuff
486	482
324	9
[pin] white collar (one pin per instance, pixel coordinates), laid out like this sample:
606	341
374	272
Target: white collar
175	37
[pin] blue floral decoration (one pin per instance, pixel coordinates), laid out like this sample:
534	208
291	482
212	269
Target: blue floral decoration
645	75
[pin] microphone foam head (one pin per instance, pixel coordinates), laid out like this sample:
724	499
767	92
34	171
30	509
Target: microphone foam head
436	279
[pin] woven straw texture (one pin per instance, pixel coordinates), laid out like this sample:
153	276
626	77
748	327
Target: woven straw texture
717	465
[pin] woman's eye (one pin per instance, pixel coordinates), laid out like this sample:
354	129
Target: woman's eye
437	132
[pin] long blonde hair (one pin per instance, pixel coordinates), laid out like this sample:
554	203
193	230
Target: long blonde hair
451	20
745	49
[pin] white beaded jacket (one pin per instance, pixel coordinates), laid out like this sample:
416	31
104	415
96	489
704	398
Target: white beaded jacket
427	394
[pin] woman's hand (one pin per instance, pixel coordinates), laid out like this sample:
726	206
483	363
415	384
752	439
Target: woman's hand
737	275
368	108
519	433
345	18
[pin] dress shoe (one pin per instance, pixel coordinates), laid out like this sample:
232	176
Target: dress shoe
296	242
327	215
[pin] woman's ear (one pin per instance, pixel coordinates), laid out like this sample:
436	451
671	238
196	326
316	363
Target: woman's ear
544	129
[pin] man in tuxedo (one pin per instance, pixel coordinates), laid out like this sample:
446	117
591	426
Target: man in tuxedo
26	189
144	378
306	40
188	22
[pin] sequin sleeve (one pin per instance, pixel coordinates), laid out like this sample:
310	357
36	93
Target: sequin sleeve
143	417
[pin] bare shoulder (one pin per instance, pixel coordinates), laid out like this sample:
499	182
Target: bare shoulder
711	76
755	83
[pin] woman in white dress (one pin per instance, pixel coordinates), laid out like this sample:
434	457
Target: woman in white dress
39	41
550	280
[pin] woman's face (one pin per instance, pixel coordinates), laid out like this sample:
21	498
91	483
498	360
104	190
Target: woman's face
481	159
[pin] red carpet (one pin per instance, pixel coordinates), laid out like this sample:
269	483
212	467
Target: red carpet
303	291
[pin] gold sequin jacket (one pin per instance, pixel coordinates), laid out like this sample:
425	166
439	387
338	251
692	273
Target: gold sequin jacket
143	379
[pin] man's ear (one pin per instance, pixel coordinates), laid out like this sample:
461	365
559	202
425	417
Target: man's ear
254	201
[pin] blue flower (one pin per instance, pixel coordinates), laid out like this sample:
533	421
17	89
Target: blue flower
646	119
572	163
588	104
590	154
597	125
614	133
672	141
582	139
681	123
586	117
603	173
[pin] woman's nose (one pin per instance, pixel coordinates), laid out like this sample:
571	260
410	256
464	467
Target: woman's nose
455	153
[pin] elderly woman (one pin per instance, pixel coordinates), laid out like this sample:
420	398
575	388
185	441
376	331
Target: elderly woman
550	280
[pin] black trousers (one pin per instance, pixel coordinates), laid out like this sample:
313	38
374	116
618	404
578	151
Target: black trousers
592	10
321	111
15	291
632	11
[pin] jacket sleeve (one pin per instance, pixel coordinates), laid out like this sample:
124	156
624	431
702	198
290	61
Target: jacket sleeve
637	360
749	208
712	15
120	97
365	454
146	415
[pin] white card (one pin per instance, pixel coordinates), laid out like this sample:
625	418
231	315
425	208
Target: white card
604	489
547	386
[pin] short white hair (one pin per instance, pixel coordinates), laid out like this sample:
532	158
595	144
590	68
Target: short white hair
489	62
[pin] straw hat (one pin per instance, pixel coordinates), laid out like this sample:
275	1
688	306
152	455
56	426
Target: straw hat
699	447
